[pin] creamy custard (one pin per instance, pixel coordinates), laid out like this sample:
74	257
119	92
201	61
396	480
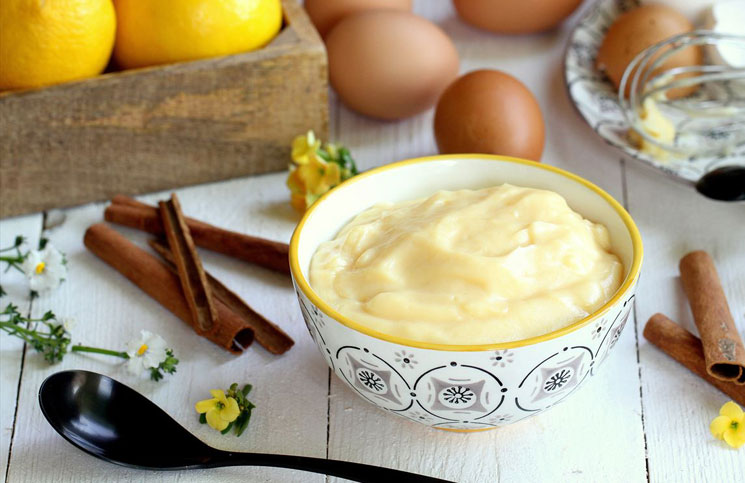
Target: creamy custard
468	267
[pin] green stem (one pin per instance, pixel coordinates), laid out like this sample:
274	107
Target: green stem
13	262
27	335
37	320
12	327
97	350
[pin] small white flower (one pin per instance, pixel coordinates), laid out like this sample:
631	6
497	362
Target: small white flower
68	323
145	352
45	269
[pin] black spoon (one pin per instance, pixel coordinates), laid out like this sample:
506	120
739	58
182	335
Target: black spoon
115	423
725	184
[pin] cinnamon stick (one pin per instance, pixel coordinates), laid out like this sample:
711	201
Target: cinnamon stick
155	279
144	219
267	334
687	349
723	349
260	251
193	280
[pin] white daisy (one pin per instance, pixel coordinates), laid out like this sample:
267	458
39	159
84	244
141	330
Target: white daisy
45	269
145	352
68	323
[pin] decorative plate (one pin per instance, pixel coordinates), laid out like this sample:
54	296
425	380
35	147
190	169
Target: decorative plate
597	100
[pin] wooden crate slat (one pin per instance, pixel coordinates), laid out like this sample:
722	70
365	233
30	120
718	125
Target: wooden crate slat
162	127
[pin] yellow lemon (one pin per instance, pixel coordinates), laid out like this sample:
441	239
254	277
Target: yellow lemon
45	42
153	32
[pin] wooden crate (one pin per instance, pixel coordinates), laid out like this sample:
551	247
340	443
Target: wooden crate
163	127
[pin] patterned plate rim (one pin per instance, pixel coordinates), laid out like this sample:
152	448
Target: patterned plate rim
680	168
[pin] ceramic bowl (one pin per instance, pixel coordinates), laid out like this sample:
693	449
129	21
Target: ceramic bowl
462	387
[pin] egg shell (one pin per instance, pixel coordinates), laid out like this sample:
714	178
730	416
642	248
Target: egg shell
638	29
488	111
326	13
389	64
692	9
515	16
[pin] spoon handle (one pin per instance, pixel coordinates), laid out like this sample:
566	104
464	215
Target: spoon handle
344	469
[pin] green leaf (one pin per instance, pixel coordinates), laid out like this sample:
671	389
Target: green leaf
240	423
52	343
155	374
43	243
324	155
246	389
203	418
225	431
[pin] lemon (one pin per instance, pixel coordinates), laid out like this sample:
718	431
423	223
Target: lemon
45	42
151	32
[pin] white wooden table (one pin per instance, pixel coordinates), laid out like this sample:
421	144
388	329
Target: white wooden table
643	417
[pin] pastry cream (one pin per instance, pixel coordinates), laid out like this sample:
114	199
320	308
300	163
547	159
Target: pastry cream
468	267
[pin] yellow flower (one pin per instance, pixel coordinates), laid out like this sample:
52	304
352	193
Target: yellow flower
298	198
316	169
333	150
304	146
299	202
730	425
319	176
220	410
295	182
309	181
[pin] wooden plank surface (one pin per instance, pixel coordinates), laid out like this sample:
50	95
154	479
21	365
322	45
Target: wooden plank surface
290	390
678	406
641	418
12	349
156	128
550	438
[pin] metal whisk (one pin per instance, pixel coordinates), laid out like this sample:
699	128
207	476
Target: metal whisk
709	121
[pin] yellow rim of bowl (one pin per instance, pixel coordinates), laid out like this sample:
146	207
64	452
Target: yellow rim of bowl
475	430
304	286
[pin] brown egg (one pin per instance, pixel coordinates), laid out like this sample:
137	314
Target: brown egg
389	64
488	111
638	29
326	13
515	16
